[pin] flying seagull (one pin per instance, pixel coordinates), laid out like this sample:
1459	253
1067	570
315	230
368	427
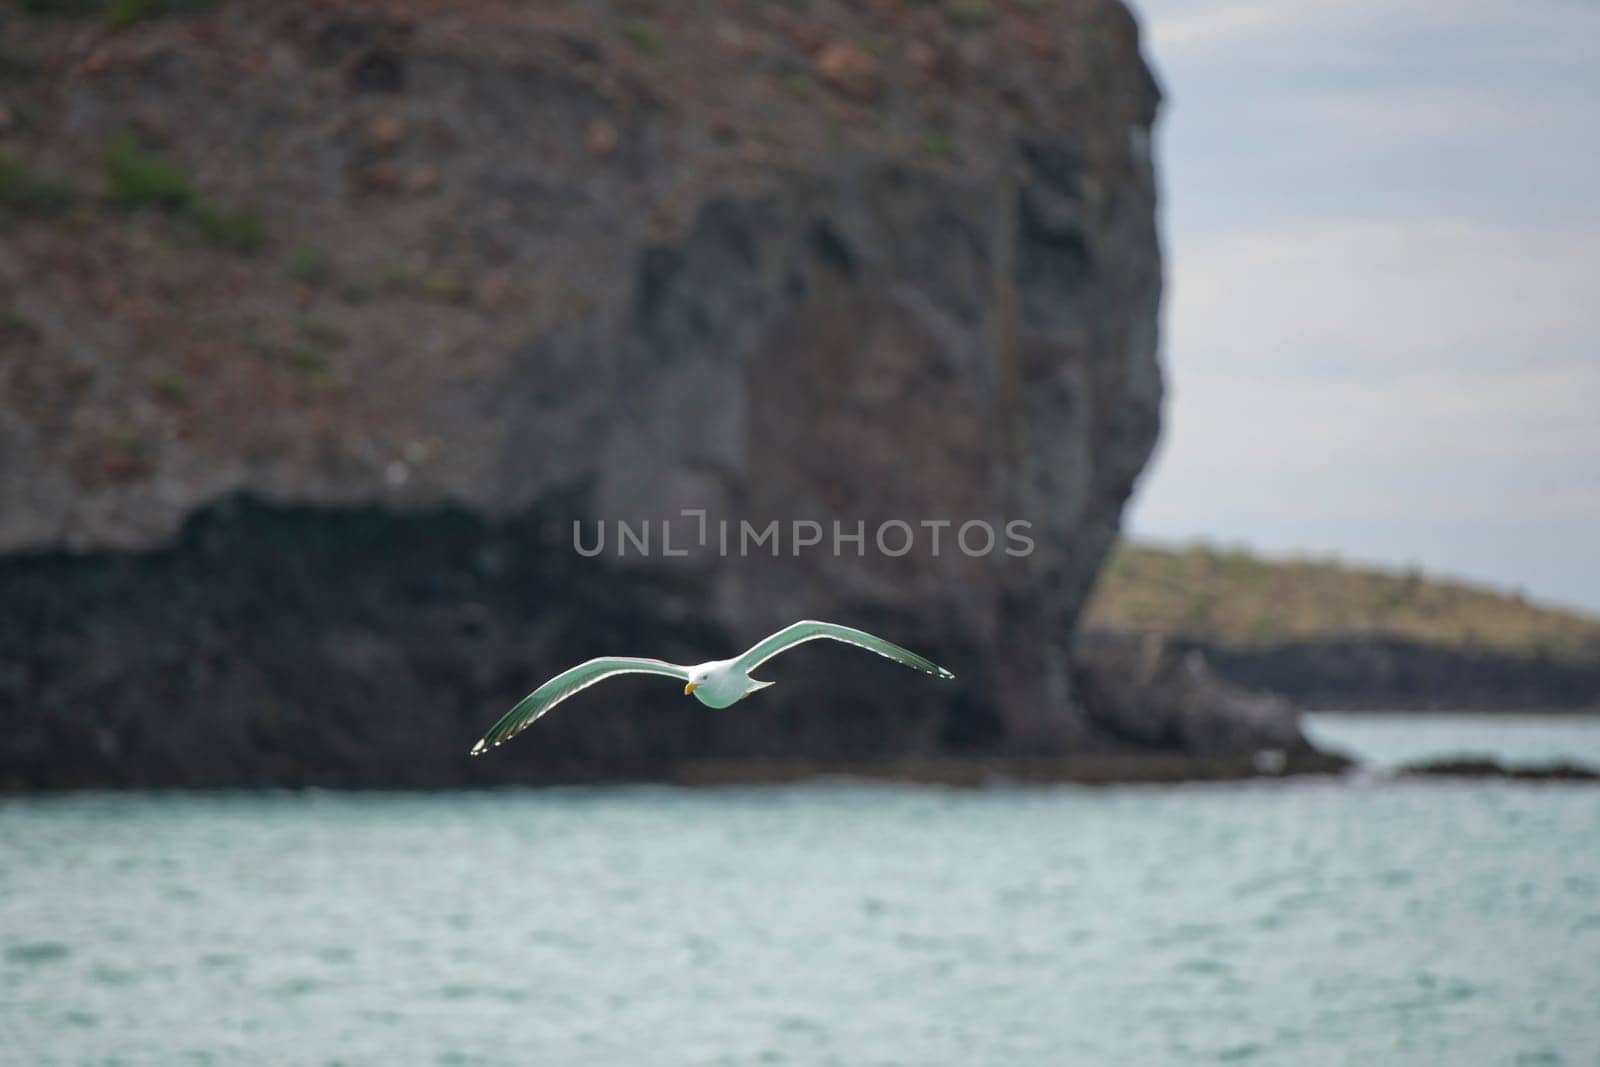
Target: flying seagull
716	684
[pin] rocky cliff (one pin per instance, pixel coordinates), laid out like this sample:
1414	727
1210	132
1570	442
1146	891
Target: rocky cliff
325	322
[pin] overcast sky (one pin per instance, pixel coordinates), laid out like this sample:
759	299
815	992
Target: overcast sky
1382	326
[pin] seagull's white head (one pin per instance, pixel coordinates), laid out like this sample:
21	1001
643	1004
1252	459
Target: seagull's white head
719	683
697	677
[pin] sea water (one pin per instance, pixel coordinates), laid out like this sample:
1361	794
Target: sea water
1307	922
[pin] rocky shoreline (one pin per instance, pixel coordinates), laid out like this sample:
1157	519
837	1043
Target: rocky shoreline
1477	769
273	646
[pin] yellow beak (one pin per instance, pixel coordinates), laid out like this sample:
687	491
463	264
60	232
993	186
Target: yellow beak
691	687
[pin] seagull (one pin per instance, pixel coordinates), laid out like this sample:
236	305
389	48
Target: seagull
716	684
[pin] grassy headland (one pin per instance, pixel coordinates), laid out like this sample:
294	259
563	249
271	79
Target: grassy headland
1234	599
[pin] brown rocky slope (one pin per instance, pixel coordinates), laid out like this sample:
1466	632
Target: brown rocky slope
340	314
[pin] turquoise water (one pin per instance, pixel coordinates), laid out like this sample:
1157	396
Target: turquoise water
1311	922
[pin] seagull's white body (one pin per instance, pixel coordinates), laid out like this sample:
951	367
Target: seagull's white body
718	683
721	683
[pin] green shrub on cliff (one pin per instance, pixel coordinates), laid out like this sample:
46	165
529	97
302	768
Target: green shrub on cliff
63	8
236	229
125	13
27	193
119	13
645	38
939	145
966	14
139	178
309	264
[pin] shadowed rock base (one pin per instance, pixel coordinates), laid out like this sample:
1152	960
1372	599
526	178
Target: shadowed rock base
362	648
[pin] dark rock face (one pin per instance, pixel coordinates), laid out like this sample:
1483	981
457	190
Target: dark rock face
541	270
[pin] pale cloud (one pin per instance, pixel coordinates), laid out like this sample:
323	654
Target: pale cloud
1220	25
1385	298
1379	442
1435	112
1179	29
1491	474
1383	316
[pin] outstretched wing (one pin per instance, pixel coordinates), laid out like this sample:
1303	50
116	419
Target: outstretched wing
811	630
564	685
